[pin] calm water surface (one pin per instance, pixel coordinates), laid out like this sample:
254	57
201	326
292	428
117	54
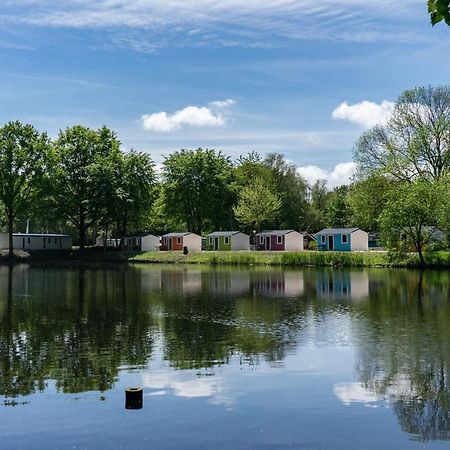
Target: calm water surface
228	358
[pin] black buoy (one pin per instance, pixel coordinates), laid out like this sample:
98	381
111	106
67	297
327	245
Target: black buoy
134	398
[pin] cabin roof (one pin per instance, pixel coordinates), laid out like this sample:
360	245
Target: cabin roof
276	232
224	233
39	235
186	233
141	235
338	230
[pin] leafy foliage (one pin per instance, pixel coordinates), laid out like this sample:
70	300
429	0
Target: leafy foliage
439	11
257	204
23	154
415	142
197	189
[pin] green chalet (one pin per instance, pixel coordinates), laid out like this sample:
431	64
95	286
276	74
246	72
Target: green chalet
227	240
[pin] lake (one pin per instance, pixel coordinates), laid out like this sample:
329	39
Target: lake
228	358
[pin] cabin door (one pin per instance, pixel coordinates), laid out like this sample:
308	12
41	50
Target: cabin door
216	243
267	242
330	242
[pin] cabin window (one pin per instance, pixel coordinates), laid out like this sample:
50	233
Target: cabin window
226	240
29	240
261	239
279	239
165	240
210	240
323	239
344	239
178	240
56	240
49	240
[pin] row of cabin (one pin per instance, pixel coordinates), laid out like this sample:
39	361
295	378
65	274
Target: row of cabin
339	239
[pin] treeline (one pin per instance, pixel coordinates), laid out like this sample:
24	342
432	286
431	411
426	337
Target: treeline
84	184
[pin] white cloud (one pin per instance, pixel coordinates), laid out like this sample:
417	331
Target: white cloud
341	174
192	116
223	103
365	114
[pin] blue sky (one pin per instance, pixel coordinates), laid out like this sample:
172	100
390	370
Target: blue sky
231	75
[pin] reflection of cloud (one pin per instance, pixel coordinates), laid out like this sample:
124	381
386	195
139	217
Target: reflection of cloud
188	384
350	393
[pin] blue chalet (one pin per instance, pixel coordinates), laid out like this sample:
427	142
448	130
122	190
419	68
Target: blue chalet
342	239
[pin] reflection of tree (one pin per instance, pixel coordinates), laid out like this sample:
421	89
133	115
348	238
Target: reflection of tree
404	348
76	326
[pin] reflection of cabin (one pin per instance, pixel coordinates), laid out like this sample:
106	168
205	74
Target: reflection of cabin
228	240
181	281
227	282
288	240
342	239
37	241
176	241
141	242
277	283
342	285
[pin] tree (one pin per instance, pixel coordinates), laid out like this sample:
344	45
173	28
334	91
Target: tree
410	210
257	204
318	200
366	199
292	190
415	142
197	189
439	11
136	191
338	211
75	194
23	153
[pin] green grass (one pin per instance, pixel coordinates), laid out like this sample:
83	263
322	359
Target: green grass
295	259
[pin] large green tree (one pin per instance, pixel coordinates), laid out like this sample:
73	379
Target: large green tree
257	205
292	190
76	195
366	199
416	140
410	210
338	211
23	155
197	189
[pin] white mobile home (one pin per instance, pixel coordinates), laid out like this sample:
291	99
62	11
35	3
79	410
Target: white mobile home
141	242
37	241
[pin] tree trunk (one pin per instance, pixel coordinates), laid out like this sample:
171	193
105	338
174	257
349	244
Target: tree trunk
419	251
10	235
82	232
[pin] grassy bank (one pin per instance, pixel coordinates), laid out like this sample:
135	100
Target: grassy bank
295	259
288	259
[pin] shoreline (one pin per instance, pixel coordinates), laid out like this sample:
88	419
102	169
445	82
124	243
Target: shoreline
438	260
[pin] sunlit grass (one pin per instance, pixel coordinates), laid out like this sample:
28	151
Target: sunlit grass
295	259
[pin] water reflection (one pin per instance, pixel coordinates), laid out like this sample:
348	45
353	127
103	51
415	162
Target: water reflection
403	342
79	327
